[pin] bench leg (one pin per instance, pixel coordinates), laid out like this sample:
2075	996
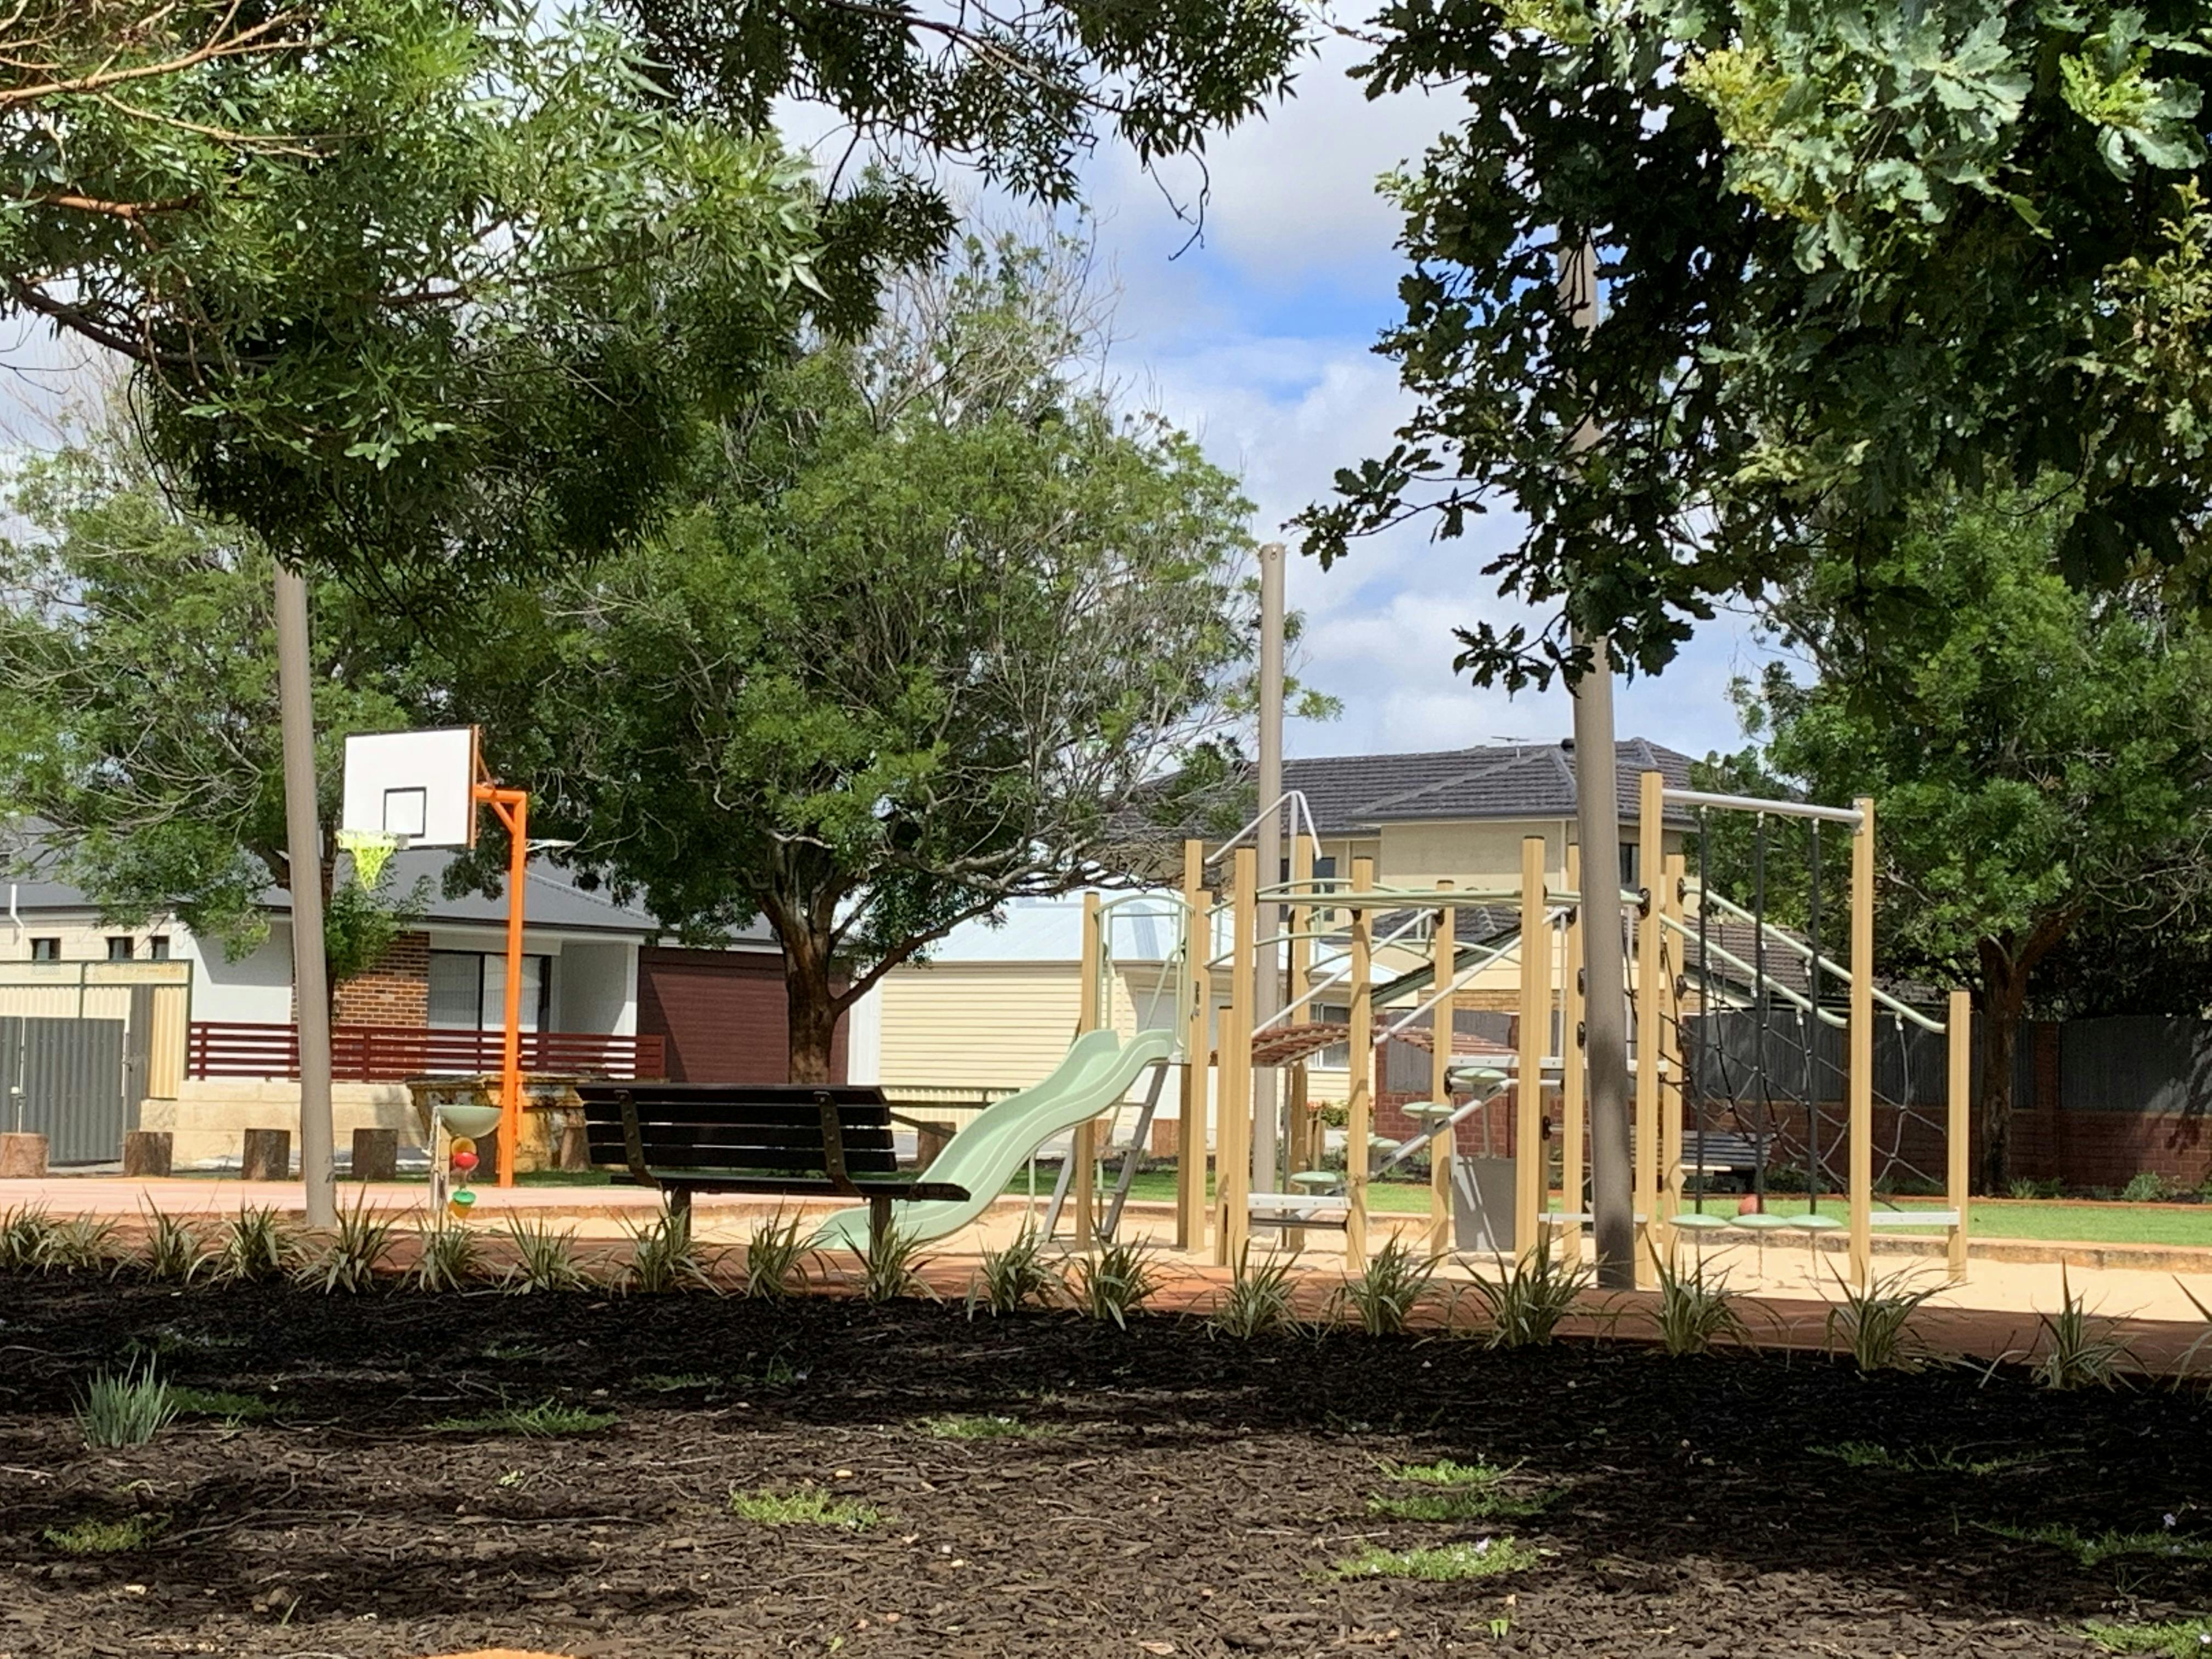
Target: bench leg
879	1220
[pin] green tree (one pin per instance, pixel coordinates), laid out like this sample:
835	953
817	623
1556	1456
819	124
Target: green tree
1850	253
138	739
934	615
2037	755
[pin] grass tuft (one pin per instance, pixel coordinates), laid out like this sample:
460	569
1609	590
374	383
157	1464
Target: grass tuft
1440	1564
2105	1545
1455	1491
2176	1638
131	1531
128	1408
544	1421
676	1381
957	1426
1872	1455
809	1506
217	1402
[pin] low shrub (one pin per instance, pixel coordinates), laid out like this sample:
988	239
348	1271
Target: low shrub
171	1251
776	1258
1693	1313
544	1259
1876	1322
1115	1282
1440	1564
347	1261
1016	1277
1525	1304
2080	1350
450	1257
891	1266
256	1246
1258	1301
663	1259
1385	1293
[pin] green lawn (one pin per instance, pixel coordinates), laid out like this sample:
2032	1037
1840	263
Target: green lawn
2085	1224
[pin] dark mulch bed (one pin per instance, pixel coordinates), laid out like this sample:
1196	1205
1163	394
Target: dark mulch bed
1187	1494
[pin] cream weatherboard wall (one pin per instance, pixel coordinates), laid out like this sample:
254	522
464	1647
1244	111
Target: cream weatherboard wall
996	1025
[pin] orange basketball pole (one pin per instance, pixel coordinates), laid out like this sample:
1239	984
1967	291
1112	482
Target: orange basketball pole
512	808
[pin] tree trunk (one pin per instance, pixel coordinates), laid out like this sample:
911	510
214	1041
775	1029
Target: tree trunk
2004	996
811	1004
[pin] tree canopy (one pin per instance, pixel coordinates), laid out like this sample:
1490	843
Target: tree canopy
2039	757
409	286
1850	254
138	730
933	615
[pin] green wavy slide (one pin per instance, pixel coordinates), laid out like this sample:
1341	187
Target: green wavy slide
982	1158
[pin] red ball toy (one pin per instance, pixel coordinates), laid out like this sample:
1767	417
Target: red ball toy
464	1160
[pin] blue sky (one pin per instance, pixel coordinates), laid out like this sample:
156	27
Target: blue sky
1259	341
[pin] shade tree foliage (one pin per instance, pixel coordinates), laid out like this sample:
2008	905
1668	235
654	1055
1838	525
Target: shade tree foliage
1851	256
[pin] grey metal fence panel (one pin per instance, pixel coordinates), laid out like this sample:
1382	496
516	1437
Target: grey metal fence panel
63	1079
2145	1063
1731	1059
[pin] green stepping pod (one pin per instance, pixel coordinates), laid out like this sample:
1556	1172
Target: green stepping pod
984	1157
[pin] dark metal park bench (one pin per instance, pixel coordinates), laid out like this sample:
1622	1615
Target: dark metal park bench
802	1140
1713	1151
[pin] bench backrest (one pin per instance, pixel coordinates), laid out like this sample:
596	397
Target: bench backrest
1723	1146
750	1128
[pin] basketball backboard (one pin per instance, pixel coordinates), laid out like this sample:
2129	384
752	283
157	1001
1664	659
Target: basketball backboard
417	785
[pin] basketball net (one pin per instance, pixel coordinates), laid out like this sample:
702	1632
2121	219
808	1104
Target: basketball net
371	850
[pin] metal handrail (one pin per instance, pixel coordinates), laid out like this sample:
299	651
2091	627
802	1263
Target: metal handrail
1498	954
1787	809
1297	800
1343	973
1778	936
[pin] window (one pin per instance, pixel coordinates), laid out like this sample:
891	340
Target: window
468	991
158	947
1337	1057
121	947
45	949
1630	862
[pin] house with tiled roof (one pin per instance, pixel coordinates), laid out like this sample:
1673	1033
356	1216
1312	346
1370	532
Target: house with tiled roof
1460	814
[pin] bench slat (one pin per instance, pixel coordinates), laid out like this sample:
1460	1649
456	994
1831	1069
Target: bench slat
736	1136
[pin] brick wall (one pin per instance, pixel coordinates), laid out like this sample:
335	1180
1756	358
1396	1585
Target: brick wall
396	991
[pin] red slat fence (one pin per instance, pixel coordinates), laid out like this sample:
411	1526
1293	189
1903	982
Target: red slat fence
389	1054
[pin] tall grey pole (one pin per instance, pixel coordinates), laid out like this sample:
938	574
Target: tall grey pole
1267	990
311	994
1597	827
